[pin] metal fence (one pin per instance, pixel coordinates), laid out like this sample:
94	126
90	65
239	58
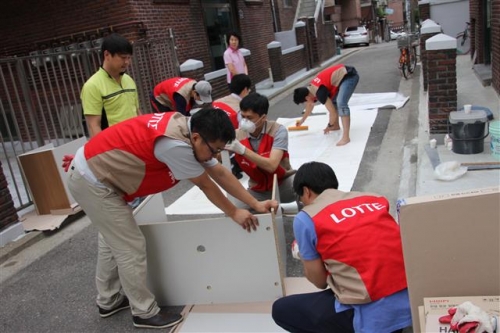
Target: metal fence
40	98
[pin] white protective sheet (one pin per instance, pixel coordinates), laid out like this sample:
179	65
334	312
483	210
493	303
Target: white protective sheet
372	101
304	146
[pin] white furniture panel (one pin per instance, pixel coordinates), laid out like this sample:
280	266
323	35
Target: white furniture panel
211	261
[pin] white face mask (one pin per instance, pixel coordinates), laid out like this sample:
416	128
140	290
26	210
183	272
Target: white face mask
198	102
247	125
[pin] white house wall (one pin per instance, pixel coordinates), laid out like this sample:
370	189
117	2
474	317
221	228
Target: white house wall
450	15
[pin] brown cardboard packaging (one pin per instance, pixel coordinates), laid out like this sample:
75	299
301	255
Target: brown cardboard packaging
436	307
451	245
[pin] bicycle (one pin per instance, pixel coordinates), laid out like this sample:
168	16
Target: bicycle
407	45
463	40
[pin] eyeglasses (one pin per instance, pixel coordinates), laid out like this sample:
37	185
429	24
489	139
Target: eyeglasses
213	151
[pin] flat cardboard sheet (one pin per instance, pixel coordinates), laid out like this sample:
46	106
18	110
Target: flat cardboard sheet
304	146
372	101
451	245
240	317
33	221
230	322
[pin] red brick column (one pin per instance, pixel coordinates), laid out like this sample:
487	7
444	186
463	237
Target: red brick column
425	11
495	46
311	32
442	76
429	29
300	33
274	51
8	213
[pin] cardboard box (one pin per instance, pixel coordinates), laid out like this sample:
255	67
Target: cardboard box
451	245
46	178
436	307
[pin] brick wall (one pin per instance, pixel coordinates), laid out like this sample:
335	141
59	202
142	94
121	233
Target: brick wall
423	57
477	16
326	40
351	13
286	15
425	11
257	17
190	39
397	16
277	65
474	13
8	214
284	65
29	22
294	61
312	44
63	18
301	35
495	47
442	87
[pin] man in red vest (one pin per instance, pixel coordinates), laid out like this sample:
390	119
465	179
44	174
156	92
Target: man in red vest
240	87
180	94
332	87
350	244
145	155
261	149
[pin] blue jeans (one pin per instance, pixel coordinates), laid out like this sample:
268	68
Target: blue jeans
346	88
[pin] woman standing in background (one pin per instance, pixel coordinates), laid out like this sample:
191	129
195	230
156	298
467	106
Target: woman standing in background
233	58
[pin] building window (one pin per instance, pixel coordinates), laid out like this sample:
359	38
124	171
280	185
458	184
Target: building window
287	3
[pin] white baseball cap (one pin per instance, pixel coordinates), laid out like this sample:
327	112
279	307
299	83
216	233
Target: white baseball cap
204	90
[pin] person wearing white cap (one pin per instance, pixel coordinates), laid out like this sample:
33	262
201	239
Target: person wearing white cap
180	94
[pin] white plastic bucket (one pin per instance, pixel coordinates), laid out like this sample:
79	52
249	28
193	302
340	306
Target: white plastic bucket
495	139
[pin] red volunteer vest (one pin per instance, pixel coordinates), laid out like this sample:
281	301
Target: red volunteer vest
122	157
261	180
325	78
360	243
232	114
171	86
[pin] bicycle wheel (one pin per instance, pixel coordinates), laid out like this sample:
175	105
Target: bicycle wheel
404	70
463	43
413	59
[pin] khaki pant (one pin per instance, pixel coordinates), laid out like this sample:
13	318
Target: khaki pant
121	261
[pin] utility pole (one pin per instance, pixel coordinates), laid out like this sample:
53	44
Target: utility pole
375	21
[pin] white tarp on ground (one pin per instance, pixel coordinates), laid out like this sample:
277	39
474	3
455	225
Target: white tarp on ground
304	146
373	101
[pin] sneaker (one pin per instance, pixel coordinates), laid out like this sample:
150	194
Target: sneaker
162	320
122	306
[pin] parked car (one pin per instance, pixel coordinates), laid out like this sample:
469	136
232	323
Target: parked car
395	35
356	35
